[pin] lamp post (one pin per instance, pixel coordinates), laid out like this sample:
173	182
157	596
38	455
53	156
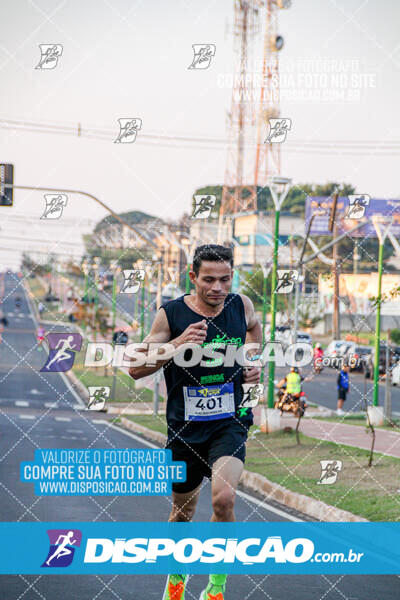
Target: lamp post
95	267
159	260
382	225
266	269
146	284
85	269
279	187
116	269
140	265
188	251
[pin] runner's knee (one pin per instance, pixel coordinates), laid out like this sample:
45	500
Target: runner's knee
223	501
182	513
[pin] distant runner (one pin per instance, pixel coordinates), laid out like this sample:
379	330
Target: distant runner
40	336
206	427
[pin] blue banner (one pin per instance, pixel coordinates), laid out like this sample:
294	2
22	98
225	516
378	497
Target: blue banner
375	206
75	472
148	548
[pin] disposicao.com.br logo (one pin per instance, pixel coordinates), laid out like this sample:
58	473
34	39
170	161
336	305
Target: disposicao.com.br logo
248	551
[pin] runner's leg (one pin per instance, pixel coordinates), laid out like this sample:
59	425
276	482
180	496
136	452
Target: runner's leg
226	473
184	505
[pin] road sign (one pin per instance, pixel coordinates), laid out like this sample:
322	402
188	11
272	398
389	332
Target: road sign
376	206
6	177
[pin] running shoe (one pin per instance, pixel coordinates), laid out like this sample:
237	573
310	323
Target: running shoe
213	592
175	587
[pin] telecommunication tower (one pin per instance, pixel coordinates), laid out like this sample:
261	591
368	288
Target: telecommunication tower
255	99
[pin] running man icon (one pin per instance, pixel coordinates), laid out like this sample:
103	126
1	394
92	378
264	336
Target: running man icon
62	547
62	351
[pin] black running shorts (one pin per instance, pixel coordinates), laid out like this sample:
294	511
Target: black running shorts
342	394
228	439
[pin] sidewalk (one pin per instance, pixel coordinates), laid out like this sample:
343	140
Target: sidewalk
386	442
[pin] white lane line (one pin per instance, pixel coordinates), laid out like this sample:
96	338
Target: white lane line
268	507
81	403
74	430
66	419
50	404
21	403
30	417
264	505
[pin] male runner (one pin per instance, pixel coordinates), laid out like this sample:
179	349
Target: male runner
206	429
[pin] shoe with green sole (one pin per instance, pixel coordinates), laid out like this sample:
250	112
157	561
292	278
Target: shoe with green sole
213	592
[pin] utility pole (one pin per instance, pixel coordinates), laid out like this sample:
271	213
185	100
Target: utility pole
335	256
388	389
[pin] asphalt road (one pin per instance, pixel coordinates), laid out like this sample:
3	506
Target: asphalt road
40	411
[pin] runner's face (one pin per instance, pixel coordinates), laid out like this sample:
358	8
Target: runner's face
213	281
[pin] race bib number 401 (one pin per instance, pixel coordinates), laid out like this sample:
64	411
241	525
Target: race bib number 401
206	403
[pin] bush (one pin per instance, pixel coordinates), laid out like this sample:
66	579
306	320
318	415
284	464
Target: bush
395	336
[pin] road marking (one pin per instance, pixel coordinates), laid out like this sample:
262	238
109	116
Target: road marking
30	417
264	505
21	403
34	391
81	404
66	419
74	430
268	507
50	404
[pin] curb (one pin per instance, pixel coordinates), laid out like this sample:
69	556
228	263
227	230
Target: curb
272	491
154	436
78	386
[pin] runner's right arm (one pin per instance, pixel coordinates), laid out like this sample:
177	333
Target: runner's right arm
160	333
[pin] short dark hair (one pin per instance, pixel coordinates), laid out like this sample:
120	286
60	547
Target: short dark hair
212	252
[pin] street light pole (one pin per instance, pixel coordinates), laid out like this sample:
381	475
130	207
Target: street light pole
279	187
266	270
378	328
142	312
381	233
114	299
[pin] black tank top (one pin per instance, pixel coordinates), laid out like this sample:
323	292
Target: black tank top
229	327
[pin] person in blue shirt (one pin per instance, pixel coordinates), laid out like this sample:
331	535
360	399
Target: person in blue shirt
343	385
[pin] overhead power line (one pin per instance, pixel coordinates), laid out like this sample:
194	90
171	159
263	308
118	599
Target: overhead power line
380	148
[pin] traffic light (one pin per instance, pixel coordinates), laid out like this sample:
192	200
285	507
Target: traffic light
6	177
